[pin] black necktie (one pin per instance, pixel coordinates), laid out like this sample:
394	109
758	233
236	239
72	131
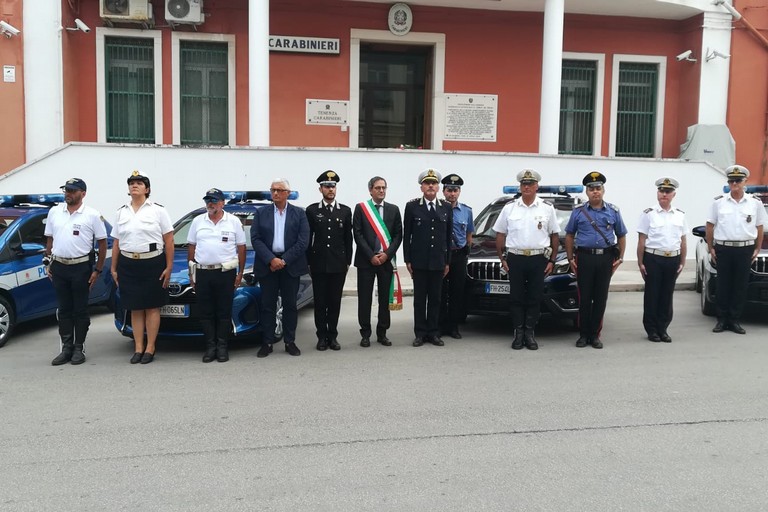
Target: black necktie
431	207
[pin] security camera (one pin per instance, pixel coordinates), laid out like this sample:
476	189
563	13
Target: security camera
82	26
8	30
686	55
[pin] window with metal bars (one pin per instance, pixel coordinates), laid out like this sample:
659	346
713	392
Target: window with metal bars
130	89
204	96
577	107
636	109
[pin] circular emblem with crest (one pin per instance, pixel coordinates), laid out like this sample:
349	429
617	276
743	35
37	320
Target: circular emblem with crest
400	19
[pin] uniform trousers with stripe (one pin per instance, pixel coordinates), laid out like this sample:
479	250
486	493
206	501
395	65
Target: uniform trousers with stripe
593	277
452	309
327	288
427	288
661	274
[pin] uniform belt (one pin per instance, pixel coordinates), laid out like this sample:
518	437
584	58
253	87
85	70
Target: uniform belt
598	250
70	261
666	254
141	255
525	252
209	267
737	243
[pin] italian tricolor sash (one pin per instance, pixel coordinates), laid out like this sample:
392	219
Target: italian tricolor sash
382	233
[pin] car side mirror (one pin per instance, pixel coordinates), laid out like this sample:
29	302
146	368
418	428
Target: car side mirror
29	249
700	231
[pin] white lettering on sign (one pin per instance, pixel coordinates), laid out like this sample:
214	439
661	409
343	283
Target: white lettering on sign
303	44
471	117
328	112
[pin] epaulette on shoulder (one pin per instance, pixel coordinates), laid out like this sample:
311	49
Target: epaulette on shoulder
466	206
718	197
414	199
615	208
124	206
648	210
580	205
547	202
678	209
158	204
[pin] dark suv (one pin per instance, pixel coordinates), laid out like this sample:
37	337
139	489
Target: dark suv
488	284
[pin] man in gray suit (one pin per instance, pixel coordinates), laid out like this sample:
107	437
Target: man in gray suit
378	232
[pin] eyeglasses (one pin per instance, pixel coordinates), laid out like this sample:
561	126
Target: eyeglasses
211	200
278	190
735	181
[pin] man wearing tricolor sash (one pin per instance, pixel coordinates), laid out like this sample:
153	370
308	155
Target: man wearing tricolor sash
378	232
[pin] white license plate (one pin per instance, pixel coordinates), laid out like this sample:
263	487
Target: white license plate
175	310
496	287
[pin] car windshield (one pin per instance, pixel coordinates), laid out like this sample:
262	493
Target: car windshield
6	221
181	228
487	218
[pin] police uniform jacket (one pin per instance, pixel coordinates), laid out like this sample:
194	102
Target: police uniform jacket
736	221
665	229
427	236
606	218
330	237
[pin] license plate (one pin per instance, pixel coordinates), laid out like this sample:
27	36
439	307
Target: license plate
496	287
175	310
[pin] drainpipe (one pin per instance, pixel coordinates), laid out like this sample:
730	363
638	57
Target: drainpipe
760	37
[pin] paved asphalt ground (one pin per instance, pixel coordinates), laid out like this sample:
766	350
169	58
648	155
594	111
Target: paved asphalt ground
469	426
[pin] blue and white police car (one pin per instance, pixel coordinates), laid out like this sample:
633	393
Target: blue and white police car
180	317
26	292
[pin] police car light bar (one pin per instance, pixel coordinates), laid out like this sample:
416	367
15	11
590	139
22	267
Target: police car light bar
43	199
749	189
547	189
259	195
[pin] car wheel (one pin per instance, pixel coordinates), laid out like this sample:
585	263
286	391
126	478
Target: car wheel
279	319
707	307
7	320
699	273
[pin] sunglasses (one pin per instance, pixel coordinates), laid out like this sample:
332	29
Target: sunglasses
735	181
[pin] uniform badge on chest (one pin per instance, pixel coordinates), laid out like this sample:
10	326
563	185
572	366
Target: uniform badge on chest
749	218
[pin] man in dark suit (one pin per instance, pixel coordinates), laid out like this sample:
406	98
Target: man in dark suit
427	228
329	256
280	236
378	232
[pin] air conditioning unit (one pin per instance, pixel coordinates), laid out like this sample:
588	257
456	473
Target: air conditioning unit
184	11
126	11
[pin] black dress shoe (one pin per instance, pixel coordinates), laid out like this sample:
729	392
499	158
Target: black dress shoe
65	356
581	342
210	354
222	355
719	327
384	341
78	357
365	342
517	343
334	345
292	349
530	342
322	345
147	358
436	341
136	357
265	350
596	343
455	334
417	342
666	338
654	337
735	327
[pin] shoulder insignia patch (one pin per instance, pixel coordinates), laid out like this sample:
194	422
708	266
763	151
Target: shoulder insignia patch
718	197
678	209
611	205
647	210
547	202
414	199
158	204
579	205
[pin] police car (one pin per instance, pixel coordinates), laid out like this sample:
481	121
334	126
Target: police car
180	317
488	284
706	270
26	292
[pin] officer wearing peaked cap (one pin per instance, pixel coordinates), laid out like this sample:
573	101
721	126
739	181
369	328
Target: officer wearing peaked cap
452	304
661	251
734	235
329	255
527	240
427	229
71	229
595	240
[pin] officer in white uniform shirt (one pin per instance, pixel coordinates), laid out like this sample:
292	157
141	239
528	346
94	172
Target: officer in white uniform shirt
527	239
734	237
661	251
71	229
216	257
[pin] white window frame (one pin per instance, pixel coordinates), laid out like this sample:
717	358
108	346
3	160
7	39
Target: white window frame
101	81
176	39
435	40
660	97
599	58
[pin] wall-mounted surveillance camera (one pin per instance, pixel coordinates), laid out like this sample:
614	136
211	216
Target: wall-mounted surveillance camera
713	54
686	55
80	25
8	30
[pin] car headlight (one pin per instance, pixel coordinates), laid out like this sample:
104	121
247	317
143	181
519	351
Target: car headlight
561	267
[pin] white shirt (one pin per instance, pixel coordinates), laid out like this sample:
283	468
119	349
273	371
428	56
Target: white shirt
736	221
137	230
216	243
665	229
73	234
527	227
278	239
